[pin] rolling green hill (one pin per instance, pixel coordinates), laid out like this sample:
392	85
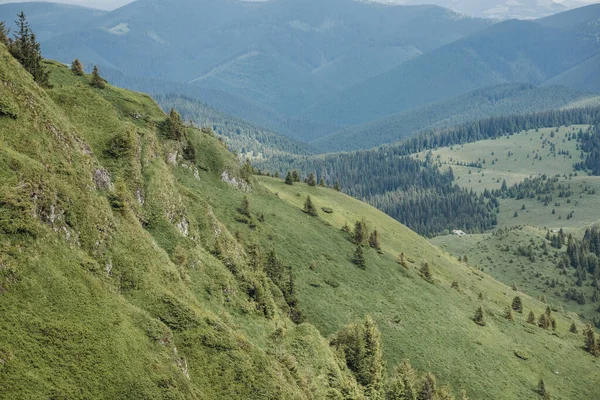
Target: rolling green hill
131	267
492	101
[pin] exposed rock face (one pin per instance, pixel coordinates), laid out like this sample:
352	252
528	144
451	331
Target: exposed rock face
184	226
233	181
102	179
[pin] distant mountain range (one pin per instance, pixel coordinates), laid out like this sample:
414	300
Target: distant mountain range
308	68
501	9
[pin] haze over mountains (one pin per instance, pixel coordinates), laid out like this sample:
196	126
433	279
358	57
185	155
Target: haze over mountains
309	68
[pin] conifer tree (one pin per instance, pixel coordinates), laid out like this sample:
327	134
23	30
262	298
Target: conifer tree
296	176
4	32
444	393
360	232
372	367
189	151
98	82
322	182
409	378
26	49
336	186
395	389
508	314
77	67
591	341
309	207
374	240
402	260
359	258
244	208
425	272
531	318
573	328
479	317
312	180
289	179
428	388
542	391
517	304
172	126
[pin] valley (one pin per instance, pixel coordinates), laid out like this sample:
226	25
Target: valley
313	199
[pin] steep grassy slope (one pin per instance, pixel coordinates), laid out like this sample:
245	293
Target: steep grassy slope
109	287
492	101
430	324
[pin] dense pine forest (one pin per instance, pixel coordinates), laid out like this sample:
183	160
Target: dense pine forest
590	146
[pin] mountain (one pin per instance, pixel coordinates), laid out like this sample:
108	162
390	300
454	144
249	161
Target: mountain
139	260
283	55
585	76
512	51
243	137
501	9
491	101
50	19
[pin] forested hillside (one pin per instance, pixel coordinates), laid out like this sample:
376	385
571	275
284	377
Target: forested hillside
511	51
249	140
419	192
140	260
492	101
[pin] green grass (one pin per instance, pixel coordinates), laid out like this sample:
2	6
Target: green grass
522	164
112	291
489	252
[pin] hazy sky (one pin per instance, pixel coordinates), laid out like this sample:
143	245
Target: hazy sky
112	4
102	4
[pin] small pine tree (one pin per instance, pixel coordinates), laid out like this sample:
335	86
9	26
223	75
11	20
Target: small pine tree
296	176
336	186
456	286
289	179
312	180
542	391
359	258
77	67
544	322
402	260
360	232
26	49
531	318
591	341
322	182
346	228
425	272
374	240
479	317
97	81
4	32
244	208
517	304
189	151
309	207
428	388
509	314
573	328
